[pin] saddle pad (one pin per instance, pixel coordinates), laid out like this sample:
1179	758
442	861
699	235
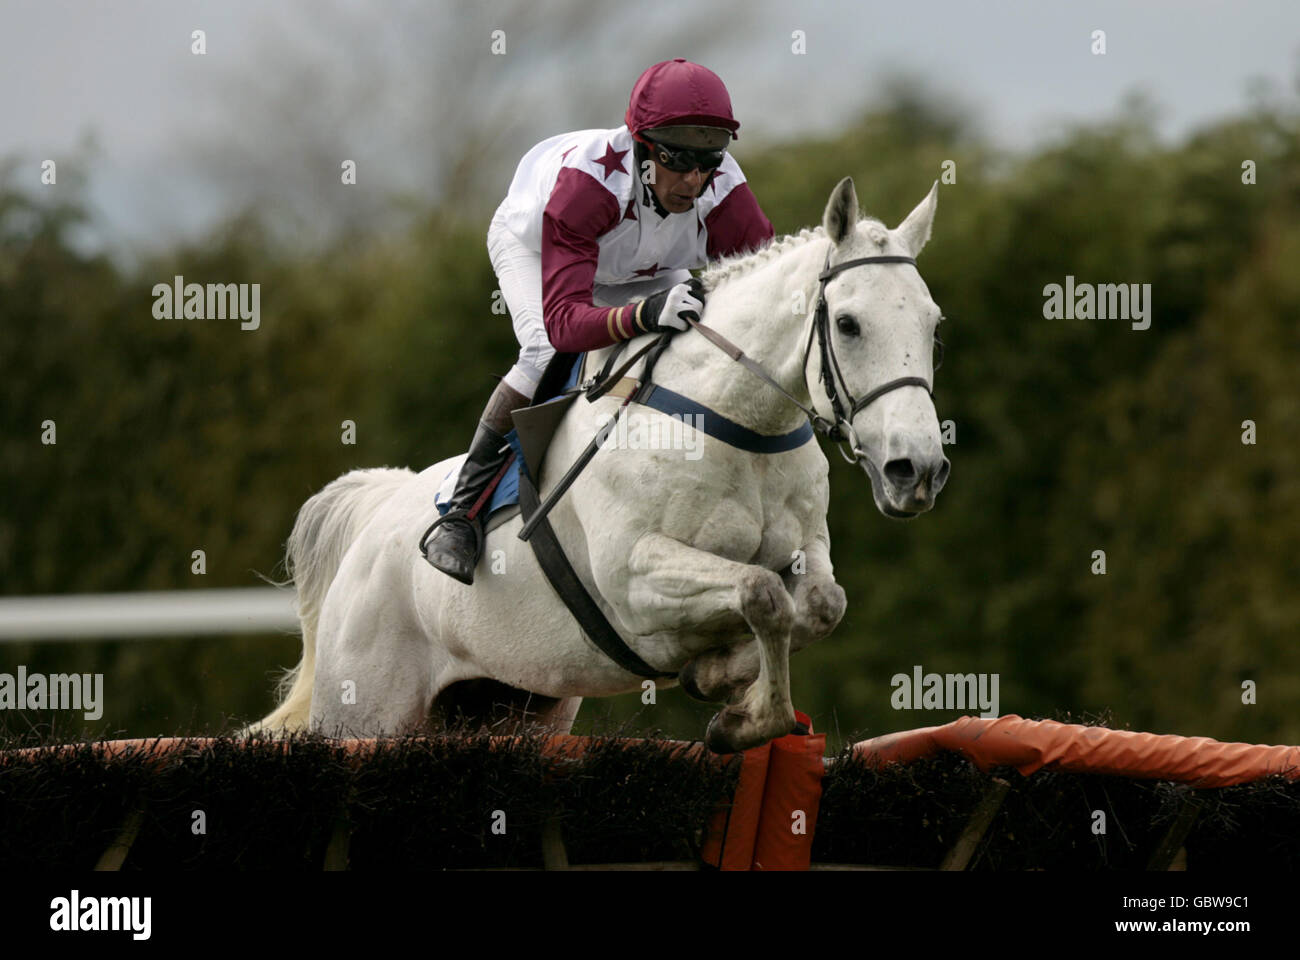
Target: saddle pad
505	499
506	495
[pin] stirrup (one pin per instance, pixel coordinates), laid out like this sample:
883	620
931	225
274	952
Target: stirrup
463	515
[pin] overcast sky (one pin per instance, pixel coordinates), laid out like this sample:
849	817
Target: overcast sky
124	71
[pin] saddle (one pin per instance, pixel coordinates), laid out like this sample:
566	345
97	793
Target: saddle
535	425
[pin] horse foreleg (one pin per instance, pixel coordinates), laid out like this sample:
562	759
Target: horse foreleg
722	674
674	587
819	602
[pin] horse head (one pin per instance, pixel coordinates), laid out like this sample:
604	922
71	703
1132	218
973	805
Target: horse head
870	362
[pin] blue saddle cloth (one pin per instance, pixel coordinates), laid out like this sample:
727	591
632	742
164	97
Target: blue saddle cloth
507	491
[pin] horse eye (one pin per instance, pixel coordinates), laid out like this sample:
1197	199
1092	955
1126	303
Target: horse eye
847	325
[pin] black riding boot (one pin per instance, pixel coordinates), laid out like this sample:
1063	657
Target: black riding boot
455	541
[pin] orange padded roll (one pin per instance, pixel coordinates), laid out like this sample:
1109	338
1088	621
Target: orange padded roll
730	843
1029	745
791	799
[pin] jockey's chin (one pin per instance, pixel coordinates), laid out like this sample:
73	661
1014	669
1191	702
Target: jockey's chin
679	202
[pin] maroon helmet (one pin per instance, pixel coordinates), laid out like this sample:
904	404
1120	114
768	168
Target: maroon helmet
683	104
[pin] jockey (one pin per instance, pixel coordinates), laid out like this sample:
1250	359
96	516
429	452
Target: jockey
593	244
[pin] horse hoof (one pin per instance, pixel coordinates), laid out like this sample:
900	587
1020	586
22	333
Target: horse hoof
686	680
716	739
724	733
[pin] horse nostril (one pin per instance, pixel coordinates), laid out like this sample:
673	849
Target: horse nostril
941	476
901	473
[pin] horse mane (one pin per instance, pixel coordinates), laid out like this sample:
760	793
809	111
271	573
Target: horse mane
726	269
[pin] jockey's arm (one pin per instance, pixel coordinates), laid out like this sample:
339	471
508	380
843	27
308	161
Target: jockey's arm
574	218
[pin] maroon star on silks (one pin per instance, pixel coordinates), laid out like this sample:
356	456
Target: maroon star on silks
630	213
648	271
612	160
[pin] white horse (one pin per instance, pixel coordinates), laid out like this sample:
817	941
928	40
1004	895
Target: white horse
715	564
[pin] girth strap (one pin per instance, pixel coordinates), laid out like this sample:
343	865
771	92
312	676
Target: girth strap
722	428
564	580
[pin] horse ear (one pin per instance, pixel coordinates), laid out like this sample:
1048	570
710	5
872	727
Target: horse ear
915	230
841	212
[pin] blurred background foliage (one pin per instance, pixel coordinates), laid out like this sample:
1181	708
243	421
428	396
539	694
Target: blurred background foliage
1072	435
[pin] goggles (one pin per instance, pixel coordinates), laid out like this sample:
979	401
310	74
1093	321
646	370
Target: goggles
683	160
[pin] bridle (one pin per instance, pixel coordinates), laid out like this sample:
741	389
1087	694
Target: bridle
843	408
832	378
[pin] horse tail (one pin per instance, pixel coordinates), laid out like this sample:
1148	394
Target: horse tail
325	527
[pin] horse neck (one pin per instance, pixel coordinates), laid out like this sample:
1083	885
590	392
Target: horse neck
755	312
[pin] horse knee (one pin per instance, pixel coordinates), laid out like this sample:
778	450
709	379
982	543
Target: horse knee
765	603
821	607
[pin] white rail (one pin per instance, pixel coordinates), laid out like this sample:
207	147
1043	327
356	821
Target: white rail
147	614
